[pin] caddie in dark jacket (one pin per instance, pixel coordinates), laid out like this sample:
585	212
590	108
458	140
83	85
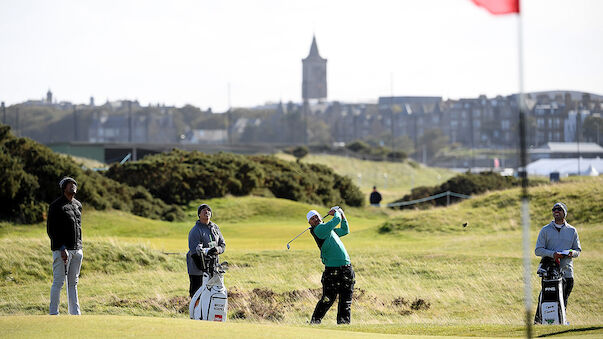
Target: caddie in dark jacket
205	243
64	227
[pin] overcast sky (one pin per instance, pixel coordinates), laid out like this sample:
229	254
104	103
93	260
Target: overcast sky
179	52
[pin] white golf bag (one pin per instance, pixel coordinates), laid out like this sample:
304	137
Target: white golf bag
210	302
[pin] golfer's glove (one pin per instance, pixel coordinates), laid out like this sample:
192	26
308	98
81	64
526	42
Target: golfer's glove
337	209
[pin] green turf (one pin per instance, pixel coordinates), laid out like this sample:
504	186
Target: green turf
107	326
444	279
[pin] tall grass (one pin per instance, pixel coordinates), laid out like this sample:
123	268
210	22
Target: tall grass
445	274
499	210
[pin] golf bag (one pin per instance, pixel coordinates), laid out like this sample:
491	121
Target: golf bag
210	302
551	307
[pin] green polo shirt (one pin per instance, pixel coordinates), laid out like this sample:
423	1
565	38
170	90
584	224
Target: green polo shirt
332	252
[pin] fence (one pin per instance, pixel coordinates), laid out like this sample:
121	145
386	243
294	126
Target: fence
448	194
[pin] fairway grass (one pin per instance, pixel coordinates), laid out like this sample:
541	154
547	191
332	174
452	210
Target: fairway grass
106	326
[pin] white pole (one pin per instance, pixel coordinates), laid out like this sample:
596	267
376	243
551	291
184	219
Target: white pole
525	207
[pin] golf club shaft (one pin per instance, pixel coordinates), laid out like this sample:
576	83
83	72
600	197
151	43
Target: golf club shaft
298	235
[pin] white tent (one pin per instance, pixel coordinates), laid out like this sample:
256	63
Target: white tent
565	167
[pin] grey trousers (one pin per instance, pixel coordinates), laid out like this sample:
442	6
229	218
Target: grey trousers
74	263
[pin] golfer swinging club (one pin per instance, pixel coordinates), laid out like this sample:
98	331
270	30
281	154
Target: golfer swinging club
338	277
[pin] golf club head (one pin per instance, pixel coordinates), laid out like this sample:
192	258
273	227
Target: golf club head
288	247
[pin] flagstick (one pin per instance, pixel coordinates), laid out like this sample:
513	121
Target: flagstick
523	171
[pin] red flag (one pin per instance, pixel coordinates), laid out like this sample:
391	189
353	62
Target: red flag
499	6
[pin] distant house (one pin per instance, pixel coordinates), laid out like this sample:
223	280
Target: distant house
115	128
206	136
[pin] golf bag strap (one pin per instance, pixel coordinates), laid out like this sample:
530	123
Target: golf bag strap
319	241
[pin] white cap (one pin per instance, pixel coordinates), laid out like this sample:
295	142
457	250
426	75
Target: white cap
311	214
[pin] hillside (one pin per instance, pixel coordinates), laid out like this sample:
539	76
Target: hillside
393	179
584	196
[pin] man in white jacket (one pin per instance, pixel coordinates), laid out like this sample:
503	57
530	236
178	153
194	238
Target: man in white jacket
559	240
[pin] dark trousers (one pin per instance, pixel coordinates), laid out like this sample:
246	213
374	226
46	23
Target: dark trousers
336	281
568	285
195	283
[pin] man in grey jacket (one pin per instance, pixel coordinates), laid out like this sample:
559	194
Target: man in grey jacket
205	234
559	240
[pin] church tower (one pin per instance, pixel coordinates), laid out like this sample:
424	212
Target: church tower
314	79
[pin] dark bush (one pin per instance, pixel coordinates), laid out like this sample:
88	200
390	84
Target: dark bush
359	147
31	173
180	177
375	152
396	156
300	152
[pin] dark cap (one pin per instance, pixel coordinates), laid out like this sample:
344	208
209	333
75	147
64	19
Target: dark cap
65	180
202	206
563	207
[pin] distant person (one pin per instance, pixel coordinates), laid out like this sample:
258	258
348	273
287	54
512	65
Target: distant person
557	237
204	234
338	277
375	197
64	228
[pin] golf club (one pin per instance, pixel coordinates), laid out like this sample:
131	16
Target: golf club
67	264
326	215
289	247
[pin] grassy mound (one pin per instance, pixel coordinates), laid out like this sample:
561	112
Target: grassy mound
466	183
500	210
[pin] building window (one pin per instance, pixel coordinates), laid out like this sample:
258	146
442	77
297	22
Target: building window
540	122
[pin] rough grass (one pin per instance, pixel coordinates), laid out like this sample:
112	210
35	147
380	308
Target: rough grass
499	210
448	281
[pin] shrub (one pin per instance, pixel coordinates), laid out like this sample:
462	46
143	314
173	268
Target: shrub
300	152
359	147
396	156
31	173
180	177
376	153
